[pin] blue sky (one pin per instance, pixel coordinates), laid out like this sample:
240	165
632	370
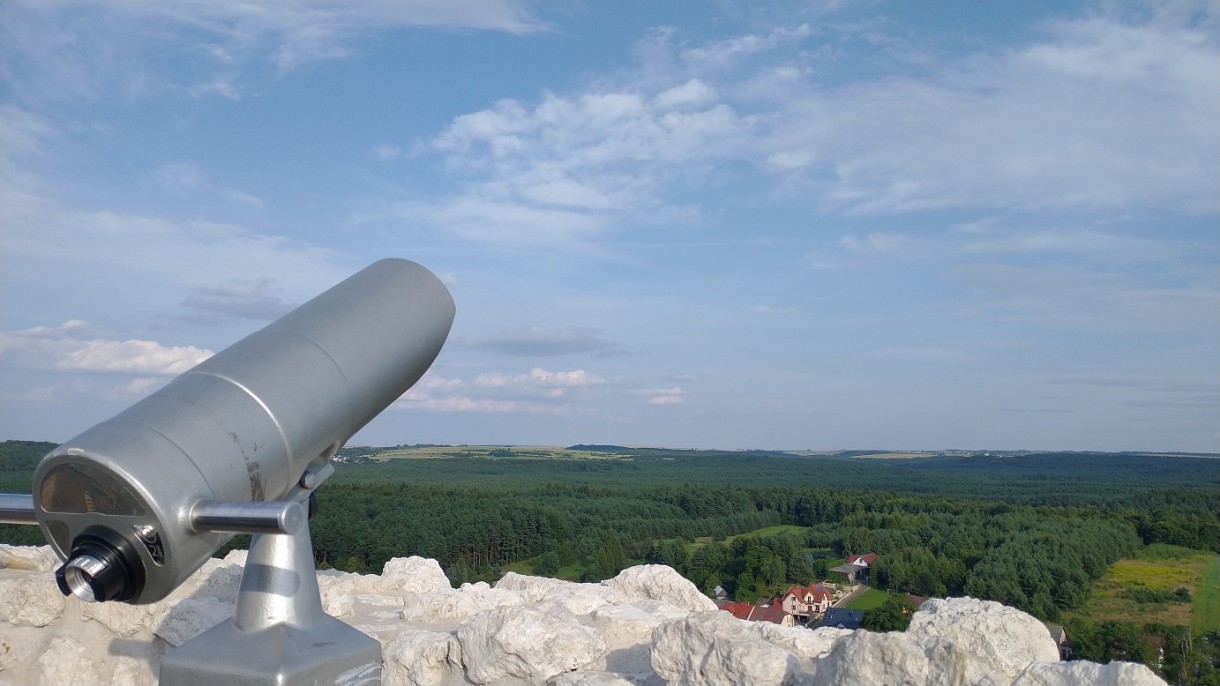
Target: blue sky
731	225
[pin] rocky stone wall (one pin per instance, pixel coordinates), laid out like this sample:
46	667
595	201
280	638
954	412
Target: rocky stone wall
647	626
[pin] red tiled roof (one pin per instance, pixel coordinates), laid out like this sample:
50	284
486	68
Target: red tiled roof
775	615
816	593
866	559
753	613
738	610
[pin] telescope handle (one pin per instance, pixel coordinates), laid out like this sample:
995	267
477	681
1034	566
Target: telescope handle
17	508
274	517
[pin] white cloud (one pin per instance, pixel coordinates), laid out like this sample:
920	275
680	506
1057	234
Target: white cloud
241	198
772	309
573	167
237	298
727	51
852	250
437	393
386	152
461	403
662	396
67	348
693	93
539	381
178	257
877	243
218	85
179	178
22	135
1102	113
1051	124
138	387
91	48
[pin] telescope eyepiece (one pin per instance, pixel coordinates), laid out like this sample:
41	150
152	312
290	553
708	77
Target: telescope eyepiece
103	566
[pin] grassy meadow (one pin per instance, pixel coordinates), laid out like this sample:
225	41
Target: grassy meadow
1158	568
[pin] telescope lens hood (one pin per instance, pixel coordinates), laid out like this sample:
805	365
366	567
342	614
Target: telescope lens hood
104	566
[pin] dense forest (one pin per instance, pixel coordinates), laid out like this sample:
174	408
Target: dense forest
1030	530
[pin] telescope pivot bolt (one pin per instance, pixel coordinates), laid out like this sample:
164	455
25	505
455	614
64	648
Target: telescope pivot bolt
102	567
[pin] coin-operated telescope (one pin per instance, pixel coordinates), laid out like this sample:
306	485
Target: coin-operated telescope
238	444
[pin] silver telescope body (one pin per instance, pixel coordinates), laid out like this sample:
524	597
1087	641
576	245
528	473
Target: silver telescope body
137	503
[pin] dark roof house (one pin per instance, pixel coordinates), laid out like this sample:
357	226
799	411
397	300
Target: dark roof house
842	619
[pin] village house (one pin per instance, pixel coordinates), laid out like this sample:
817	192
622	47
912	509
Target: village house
754	613
857	567
842	619
806	601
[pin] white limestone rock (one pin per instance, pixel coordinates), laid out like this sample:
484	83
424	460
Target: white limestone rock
627	633
28	558
580	599
864	658
636	629
1079	672
717	648
659	582
191	617
123	619
521	645
1004	638
422	657
132	673
67	662
413	575
806	644
30	599
221	577
455	604
531	588
602	679
339	588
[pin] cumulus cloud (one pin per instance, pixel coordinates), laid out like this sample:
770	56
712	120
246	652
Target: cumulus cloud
1080	118
539	381
573	167
537	392
236	298
68	347
1077	118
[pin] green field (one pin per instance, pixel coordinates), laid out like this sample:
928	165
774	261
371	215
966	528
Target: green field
867	600
1158	568
1206	608
765	531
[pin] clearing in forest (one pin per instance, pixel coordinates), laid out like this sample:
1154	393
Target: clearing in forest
1157	569
1207	600
765	531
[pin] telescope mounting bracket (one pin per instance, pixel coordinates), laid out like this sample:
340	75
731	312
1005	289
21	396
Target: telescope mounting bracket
278	635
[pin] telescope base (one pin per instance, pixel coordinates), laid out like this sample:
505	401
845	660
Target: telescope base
328	652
